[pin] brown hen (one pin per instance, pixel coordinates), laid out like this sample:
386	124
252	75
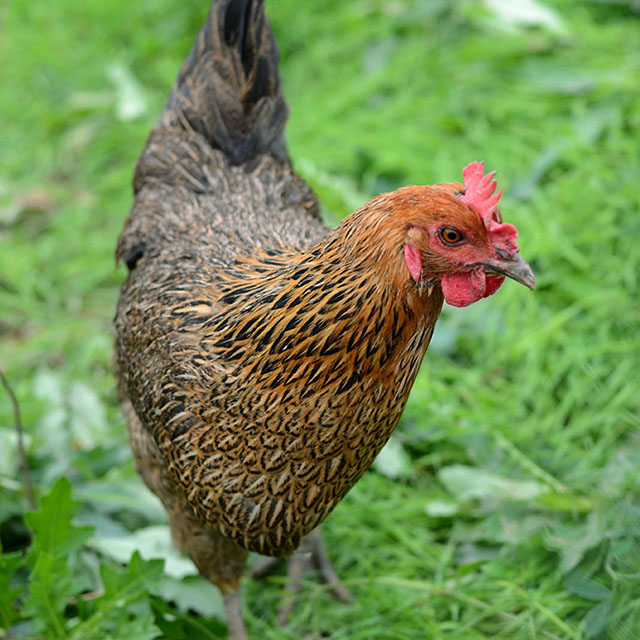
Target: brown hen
263	359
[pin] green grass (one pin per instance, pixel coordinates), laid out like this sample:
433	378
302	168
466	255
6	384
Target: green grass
509	505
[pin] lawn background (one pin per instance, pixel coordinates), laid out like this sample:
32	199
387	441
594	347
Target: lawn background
507	504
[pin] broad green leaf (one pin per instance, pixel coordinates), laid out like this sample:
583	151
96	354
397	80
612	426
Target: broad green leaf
142	575
55	540
393	461
88	422
174	624
75	417
193	594
50	588
525	13
595	622
470	554
622	468
119	494
130	98
124	599
572	541
467	483
587	588
150	542
512	526
9	459
441	508
51	524
52	428
132	622
9	562
567	502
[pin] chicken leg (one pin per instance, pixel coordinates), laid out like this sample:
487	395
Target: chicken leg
312	553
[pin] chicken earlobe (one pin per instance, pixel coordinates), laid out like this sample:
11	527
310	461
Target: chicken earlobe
413	260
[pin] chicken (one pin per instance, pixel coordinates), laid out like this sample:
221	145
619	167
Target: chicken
263	359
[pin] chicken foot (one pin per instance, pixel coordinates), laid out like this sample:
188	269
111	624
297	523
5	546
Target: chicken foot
233	612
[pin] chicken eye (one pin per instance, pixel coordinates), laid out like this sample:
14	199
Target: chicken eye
450	235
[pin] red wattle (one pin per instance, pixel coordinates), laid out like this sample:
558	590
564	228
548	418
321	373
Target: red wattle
493	284
463	289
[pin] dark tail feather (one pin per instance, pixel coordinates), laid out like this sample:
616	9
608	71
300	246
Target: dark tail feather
229	87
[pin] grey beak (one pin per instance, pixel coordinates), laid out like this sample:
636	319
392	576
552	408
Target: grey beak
515	268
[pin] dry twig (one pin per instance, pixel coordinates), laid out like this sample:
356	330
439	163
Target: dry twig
26	473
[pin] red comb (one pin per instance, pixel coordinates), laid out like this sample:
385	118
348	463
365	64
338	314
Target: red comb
479	191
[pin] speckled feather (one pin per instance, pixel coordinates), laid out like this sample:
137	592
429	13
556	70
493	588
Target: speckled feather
263	359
